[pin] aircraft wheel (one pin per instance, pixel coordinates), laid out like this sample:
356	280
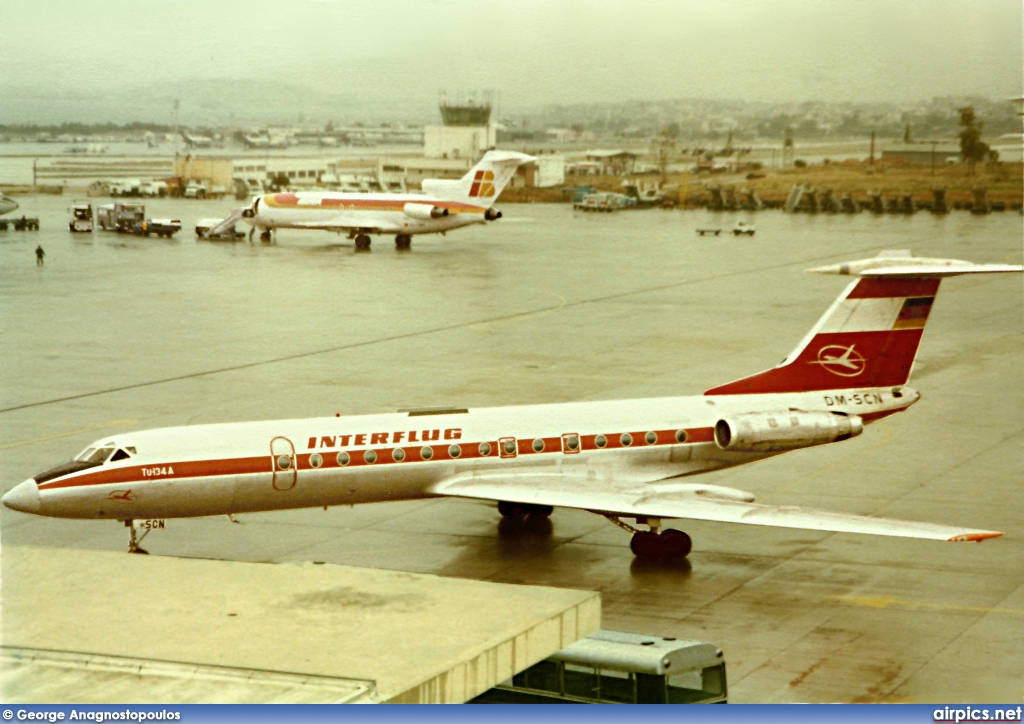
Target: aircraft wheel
541	511
647	546
676	543
265	236
362	242
403	241
512	510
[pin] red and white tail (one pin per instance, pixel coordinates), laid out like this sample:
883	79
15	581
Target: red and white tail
870	335
482	184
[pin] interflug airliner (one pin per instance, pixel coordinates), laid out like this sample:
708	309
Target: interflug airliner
626	460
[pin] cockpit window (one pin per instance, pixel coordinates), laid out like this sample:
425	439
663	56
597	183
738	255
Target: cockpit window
97	456
90	458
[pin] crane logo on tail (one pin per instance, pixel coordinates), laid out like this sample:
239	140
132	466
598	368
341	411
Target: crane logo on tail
483	184
840	360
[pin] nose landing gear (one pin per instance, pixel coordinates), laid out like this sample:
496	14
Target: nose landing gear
135	539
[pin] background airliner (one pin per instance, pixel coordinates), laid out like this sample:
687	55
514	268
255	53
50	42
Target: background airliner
7	204
444	205
624	460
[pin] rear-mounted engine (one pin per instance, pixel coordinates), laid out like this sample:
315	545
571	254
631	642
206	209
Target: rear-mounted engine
424	212
784	430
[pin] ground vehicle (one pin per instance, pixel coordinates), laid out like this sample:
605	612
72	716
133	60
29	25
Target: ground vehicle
743	227
123	218
81	217
202	190
126	218
605	201
203	227
160	227
153	188
129	187
623	668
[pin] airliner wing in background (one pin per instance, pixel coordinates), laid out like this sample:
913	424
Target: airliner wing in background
671	499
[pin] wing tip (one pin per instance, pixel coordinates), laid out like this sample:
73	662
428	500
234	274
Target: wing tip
977	537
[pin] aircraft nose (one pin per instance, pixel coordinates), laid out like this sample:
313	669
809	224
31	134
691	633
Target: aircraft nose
23	497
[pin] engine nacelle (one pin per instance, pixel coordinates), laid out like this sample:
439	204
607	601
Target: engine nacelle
784	430
492	214
424	212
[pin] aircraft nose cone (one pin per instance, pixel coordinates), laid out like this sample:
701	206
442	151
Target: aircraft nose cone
23	497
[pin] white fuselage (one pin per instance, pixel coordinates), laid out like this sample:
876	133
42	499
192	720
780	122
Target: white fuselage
359	212
272	465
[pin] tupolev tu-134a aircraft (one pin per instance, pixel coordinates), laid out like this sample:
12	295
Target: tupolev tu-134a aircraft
624	459
444	205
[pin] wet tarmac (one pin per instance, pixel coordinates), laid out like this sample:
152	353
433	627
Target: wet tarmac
547	305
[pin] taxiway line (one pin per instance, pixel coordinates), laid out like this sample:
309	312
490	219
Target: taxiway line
421	332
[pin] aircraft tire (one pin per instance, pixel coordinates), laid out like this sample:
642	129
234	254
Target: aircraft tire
362	242
403	241
647	546
512	510
676	543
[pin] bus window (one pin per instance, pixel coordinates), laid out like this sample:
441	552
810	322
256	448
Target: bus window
618	686
650	689
582	681
695	687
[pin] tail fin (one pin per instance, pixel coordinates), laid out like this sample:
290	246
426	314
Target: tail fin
870	335
483	183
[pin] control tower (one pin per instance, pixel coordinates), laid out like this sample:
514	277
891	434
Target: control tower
467	132
466	111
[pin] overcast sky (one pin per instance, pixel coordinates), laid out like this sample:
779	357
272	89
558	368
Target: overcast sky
530	51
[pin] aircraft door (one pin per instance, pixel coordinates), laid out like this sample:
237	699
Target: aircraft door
507	447
282	461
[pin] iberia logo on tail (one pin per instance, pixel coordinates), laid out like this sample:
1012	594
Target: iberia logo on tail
483	184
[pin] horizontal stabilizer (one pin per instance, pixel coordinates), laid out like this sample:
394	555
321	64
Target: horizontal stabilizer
936	271
894	263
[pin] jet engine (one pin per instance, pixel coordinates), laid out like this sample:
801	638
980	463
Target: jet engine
784	430
492	214
424	212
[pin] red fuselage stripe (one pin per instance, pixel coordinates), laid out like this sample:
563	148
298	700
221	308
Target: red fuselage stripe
384	456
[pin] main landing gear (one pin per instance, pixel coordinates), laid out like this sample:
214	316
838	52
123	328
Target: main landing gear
523	510
134	539
265	236
652	545
403	242
362	242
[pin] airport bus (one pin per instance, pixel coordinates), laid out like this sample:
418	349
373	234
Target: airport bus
615	667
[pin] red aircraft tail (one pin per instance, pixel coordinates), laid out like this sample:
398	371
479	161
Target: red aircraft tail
870	335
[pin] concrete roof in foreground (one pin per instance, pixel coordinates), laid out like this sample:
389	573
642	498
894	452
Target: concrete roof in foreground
102	627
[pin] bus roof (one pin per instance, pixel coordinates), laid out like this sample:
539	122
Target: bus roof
624	651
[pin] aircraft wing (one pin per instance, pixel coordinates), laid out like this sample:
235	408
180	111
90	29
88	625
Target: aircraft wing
671	499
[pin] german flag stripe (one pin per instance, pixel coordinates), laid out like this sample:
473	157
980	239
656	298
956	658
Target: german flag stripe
871	288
